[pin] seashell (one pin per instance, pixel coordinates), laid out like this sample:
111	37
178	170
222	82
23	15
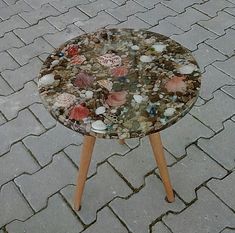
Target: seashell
146	59
163	121
138	98
64	100
120	71
176	84
159	47
106	84
187	69
54	63
79	112
110	60
169	112
100	110
77	59
135	47
98	126
89	94
46	80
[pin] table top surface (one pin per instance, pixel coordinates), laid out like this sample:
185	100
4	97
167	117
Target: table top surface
119	83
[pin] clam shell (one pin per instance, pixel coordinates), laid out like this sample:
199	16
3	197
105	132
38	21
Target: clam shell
106	84
98	126
100	110
46	80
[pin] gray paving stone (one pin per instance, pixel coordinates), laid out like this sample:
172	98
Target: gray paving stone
106	222
205	55
177	137
5	89
24	54
11	105
28	35
2	119
7	62
94	8
99	190
64	5
43	115
224	189
58	38
148	4
231	10
101	20
219	23
11	2
121	13
156	14
37	188
72	16
227	66
18	77
228	231
16	129
37	4
51	142
119	2
16	162
12	23
103	149
166	29
207	214
193	37
57	217
230	90
32	17
2	4
145	206
187	19
193	170
137	163
12	205
10	40
19	6
199	102
159	227
1	231
225	44
213	79
221	147
221	101
212	8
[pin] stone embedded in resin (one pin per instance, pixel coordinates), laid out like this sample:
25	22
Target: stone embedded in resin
169	112
187	69
138	98
98	126
146	59
100	110
159	47
46	80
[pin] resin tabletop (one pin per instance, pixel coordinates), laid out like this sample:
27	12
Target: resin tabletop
119	83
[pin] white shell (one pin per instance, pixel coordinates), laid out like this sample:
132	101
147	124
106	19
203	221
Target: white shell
54	63
146	59
169	112
187	69
100	110
138	98
98	126
89	94
46	80
159	47
135	47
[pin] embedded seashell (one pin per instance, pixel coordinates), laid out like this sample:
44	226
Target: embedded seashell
119	71
169	112
79	112
100	110
176	84
98	126
89	94
110	60
146	59
64	100
187	69
46	80
135	47
54	63
159	47
106	84
138	98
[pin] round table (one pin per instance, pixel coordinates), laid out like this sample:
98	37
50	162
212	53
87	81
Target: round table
119	83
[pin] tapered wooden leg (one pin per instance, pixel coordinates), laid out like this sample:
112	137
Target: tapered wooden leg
157	147
122	141
85	159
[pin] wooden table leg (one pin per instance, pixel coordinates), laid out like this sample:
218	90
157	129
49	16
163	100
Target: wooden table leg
85	159
157	147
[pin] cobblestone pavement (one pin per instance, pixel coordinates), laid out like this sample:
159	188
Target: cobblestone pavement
39	158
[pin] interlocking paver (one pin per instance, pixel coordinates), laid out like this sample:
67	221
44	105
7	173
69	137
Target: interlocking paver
5	89
12	204
2	4
121	13
99	153
37	4
119	2
222	153
7	62
2	119
230	90
212	80
145	206
24	54
193	37
189	130
193	170
51	142
207	214
221	101
57	217
10	40
148	4
16	129
231	10
228	231
74	15
137	163
47	181
12	104
16	162
227	66
156	14
105	185
28	35
18	77
219	23
32	17
224	189
106	221
159	227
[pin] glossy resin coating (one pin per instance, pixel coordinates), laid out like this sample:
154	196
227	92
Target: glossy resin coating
119	83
